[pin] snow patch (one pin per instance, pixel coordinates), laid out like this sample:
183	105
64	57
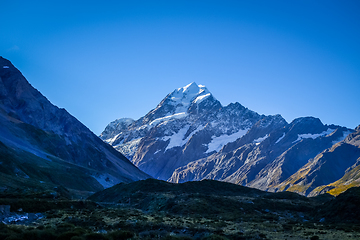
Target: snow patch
280	138
313	136
167	118
201	98
259	140
345	134
177	139
218	142
112	140
199	128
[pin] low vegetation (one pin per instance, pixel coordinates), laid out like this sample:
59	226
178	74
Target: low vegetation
154	209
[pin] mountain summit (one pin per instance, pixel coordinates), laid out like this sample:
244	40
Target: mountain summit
191	136
188	124
186	96
192	100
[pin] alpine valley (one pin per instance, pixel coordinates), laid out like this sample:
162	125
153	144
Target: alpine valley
191	136
43	147
50	162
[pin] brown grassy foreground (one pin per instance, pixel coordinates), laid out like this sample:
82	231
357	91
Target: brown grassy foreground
160	211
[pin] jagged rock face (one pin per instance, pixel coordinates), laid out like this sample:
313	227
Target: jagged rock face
30	123
115	127
191	136
187	125
329	169
268	154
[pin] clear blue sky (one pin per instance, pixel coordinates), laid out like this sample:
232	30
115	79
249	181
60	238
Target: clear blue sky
103	60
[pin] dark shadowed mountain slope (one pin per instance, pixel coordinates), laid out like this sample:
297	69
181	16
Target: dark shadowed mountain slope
38	138
221	200
338	163
344	208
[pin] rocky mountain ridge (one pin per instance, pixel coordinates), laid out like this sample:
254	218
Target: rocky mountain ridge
191	136
41	140
333	170
188	124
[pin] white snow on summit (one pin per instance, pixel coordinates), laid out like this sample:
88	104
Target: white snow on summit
218	142
201	98
167	118
183	97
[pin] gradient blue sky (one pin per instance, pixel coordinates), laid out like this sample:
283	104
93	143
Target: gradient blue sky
103	60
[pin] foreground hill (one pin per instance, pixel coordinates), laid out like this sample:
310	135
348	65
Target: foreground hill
227	200
42	145
201	210
122	192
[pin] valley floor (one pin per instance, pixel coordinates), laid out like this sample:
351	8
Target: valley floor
128	223
166	216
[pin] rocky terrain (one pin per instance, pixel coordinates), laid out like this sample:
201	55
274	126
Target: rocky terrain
43	146
187	125
191	136
334	170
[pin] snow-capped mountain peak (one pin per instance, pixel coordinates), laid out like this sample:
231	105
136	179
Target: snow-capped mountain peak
183	97
191	136
191	88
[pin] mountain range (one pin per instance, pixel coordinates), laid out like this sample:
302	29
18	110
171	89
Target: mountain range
191	136
188	136
43	146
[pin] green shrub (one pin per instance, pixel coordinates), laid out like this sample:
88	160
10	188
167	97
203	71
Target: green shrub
65	227
95	236
121	235
67	235
14	237
31	235
177	238
262	235
48	235
215	237
77	238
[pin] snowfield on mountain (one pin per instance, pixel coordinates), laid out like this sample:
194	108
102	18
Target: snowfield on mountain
191	136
